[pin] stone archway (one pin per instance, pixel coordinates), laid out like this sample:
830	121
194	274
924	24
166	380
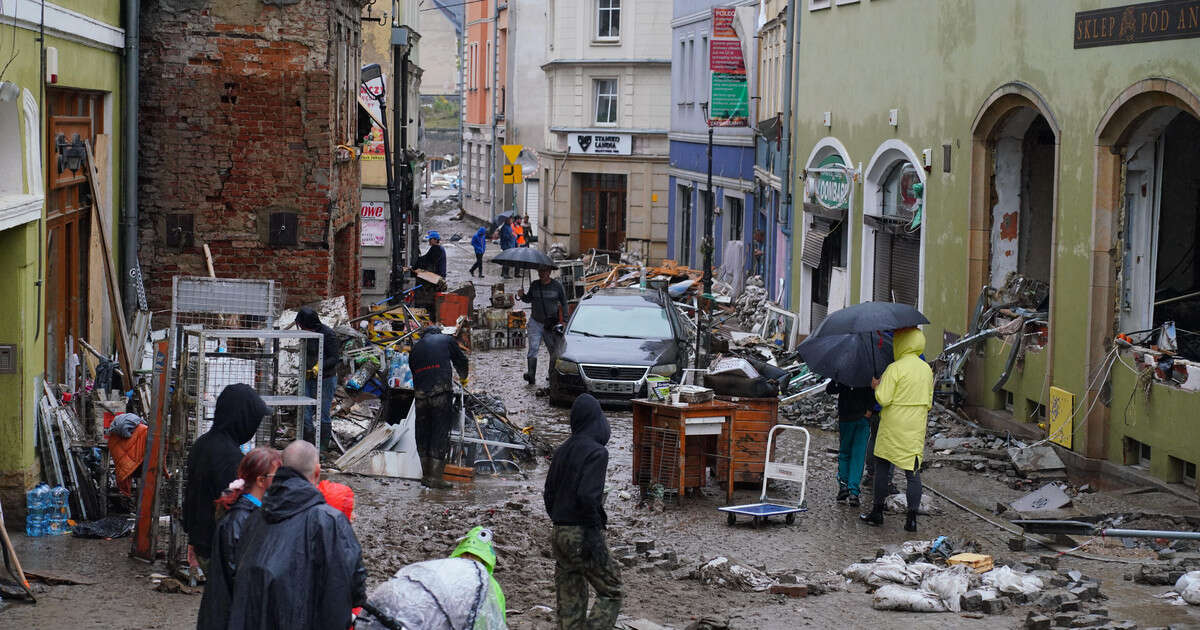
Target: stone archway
1122	124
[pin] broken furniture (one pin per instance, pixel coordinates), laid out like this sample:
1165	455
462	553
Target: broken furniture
765	508
673	444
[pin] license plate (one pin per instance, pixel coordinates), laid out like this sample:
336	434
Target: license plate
612	388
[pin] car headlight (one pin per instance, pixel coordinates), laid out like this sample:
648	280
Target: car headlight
566	367
666	369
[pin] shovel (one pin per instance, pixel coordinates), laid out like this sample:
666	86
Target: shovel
1082	528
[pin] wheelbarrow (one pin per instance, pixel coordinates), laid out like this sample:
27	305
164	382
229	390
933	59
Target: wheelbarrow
766	507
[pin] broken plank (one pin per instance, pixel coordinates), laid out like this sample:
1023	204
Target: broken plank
99	208
55	578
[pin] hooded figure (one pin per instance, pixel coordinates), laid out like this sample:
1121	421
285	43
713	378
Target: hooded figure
457	592
574	496
299	563
479	244
905	391
213	462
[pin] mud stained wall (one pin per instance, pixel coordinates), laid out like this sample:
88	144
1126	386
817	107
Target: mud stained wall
243	107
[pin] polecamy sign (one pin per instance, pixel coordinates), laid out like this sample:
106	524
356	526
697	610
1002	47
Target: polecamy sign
600	144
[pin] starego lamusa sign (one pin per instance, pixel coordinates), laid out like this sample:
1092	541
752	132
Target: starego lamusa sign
1136	23
600	143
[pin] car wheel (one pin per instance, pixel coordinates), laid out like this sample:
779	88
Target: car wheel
556	397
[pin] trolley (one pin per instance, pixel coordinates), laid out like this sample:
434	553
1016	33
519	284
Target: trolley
765	508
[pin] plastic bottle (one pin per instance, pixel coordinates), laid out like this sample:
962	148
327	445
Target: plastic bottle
60	497
44	497
33	524
31	499
53	525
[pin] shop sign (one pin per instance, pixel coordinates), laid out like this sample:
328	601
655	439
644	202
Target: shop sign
373	147
372	210
830	186
600	144
374	233
729	94
1136	23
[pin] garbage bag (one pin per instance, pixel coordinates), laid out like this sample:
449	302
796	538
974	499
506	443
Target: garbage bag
446	594
1188	587
890	568
895	597
1006	580
721	572
107	527
949	585
898	504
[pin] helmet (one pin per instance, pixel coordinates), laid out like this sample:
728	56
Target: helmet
477	542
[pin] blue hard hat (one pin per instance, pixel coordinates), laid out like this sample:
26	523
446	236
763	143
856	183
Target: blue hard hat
433	234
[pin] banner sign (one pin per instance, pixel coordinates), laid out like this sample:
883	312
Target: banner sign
729	92
374	224
829	185
372	210
373	148
1135	23
600	144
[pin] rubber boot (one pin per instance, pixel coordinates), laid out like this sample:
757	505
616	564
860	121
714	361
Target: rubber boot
426	470
326	436
309	435
436	481
910	523
531	373
875	518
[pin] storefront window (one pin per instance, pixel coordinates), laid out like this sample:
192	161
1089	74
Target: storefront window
901	194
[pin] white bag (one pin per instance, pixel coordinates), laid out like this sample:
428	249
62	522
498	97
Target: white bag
1008	581
949	584
1188	587
894	597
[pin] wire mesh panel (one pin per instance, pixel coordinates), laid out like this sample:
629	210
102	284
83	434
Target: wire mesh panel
658	462
225	303
273	362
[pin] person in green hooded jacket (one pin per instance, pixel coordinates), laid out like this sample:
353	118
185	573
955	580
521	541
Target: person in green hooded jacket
905	392
477	545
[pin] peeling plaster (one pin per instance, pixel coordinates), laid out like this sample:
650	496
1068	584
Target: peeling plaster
1007	211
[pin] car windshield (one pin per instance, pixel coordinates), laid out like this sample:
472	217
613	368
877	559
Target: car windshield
628	322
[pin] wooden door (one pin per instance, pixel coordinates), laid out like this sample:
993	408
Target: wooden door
589	221
602	212
72	117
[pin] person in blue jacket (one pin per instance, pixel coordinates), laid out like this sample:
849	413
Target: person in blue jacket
508	240
479	243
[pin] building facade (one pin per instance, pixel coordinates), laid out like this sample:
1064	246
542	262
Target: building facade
249	122
55	285
375	215
485	55
605	155
770	245
1048	161
732	196
526	107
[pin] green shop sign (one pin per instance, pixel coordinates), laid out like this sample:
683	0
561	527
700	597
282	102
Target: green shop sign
829	185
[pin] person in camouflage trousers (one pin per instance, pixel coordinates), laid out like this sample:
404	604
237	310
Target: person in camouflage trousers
574	497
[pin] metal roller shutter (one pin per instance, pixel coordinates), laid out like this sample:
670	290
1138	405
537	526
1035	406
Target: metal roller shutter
814	240
883	267
906	267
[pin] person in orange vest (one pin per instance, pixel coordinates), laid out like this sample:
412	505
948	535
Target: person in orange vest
519	232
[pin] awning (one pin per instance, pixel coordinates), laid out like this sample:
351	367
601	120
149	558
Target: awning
814	242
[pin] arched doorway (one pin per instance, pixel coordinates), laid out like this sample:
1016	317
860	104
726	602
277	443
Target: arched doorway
1145	225
824	233
1014	193
894	217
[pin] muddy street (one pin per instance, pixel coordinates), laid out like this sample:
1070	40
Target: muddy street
399	522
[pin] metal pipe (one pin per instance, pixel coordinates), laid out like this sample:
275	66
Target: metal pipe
129	213
1149	533
786	127
395	200
493	158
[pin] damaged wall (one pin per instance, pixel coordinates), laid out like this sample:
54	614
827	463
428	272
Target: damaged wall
243	107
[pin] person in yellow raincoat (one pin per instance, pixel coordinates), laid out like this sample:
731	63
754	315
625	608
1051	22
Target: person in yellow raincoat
905	391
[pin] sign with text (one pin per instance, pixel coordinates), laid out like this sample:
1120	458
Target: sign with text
1062	408
828	184
373	147
600	144
374	233
729	93
372	210
1136	23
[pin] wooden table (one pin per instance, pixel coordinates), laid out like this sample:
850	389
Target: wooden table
697	426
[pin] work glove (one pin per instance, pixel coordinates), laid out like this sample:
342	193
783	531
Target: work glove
463	381
312	371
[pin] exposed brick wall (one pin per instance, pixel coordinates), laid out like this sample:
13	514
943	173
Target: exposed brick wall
240	119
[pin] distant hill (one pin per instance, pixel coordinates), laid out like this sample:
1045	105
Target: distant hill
440	111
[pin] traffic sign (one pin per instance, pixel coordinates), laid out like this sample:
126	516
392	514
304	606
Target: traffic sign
513	174
512	151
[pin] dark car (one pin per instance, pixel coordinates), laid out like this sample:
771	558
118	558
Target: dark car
614	340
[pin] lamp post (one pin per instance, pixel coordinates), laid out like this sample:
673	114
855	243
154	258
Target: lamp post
372	74
400	195
706	245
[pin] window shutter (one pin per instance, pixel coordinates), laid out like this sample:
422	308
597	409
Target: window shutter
906	267
814	241
883	267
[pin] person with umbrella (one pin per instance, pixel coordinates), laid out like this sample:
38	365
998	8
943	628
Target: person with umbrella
547	314
508	240
905	391
856	406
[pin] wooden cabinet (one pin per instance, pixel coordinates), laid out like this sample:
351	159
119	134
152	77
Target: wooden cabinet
747	434
673	445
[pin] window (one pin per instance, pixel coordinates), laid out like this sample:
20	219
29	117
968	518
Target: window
368	278
735	214
625	322
685	225
901	197
608	19
606	101
681	82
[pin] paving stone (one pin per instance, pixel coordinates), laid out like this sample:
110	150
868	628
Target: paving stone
971	600
643	545
1083	621
1065	619
1037	621
994	606
791	590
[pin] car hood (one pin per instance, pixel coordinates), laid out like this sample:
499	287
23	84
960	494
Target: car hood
611	351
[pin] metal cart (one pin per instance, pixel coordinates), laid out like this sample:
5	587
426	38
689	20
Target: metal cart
765	508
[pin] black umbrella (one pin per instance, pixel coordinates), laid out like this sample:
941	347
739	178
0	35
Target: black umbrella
849	358
870	317
498	220
523	258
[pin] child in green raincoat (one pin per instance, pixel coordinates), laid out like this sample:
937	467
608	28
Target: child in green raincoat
905	391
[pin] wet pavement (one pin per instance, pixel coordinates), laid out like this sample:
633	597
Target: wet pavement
398	522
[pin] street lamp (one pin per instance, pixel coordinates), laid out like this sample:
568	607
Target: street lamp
371	77
706	246
403	213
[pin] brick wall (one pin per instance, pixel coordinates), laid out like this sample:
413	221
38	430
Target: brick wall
241	114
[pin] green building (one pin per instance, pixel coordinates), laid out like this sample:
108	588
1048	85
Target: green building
51	274
944	146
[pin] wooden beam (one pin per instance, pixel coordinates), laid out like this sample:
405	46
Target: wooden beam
120	330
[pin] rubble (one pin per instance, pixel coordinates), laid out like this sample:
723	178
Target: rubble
720	571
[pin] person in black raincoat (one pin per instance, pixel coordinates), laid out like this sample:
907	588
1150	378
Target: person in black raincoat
574	497
240	500
299	565
431	361
308	320
213	463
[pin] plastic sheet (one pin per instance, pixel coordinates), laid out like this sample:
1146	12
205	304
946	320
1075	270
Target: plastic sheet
448	594
107	527
1008	581
895	597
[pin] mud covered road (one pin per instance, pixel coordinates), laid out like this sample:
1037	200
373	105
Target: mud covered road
398	522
